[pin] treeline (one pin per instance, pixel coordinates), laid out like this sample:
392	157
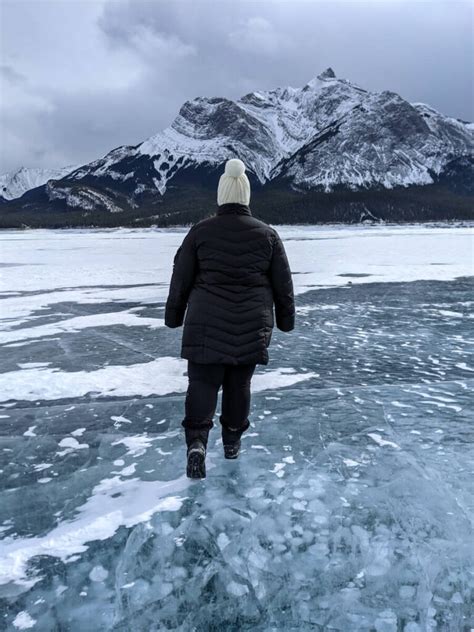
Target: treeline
274	204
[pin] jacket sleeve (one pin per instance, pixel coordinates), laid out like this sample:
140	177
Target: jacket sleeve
282	285
182	280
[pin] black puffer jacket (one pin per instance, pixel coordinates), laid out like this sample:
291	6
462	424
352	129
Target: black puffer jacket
230	271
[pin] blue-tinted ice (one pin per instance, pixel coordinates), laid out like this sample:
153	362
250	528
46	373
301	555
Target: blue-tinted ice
350	507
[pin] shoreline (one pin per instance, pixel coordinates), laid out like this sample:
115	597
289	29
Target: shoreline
461	223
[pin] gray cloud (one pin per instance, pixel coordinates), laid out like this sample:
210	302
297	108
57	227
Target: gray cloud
10	74
81	78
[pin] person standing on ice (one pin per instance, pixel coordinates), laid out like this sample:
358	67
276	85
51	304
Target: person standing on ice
229	274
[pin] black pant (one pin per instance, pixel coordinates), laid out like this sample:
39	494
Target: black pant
204	381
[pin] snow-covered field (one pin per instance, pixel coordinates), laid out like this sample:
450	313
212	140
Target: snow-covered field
351	507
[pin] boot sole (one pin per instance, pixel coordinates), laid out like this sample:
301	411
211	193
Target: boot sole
196	467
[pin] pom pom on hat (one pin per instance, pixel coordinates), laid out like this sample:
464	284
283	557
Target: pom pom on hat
234	168
234	186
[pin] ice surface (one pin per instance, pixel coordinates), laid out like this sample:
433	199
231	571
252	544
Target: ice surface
351	506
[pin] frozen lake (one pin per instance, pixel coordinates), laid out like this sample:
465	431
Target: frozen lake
351	506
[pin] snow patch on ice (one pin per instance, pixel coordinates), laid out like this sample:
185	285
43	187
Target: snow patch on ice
378	439
162	376
70	325
23	621
114	502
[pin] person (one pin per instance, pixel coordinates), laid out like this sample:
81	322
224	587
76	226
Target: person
231	281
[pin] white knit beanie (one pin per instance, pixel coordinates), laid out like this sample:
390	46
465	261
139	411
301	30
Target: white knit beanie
234	186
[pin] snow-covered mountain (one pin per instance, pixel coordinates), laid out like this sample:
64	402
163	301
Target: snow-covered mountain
14	183
329	132
327	136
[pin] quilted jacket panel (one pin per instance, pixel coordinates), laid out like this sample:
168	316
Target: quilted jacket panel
231	283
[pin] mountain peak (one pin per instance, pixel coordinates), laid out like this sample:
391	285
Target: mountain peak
321	80
327	74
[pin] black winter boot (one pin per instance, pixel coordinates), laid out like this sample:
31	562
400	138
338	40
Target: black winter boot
231	450
196	454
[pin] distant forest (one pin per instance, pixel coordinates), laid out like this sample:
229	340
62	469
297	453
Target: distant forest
274	204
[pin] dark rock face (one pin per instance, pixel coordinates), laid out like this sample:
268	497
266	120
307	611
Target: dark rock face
328	137
458	175
327	74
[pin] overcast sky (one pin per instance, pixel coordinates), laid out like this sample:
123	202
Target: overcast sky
80	77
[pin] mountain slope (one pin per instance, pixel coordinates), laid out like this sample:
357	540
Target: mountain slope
382	141
327	137
14	183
